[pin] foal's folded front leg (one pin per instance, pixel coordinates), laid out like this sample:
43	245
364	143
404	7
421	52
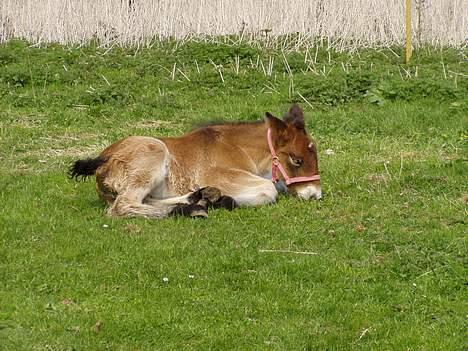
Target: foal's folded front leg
244	188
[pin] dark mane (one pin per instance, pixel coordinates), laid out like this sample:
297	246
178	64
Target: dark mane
216	123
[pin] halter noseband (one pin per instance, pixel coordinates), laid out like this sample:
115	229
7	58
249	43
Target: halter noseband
276	165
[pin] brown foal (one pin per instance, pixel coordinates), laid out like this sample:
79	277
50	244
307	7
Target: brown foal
225	165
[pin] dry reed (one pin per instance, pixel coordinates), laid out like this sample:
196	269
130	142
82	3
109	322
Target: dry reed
343	25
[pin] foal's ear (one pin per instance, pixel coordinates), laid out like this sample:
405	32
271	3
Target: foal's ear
295	116
274	122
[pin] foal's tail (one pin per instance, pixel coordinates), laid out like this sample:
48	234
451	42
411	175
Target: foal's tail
85	168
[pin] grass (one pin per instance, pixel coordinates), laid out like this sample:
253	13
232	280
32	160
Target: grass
390	269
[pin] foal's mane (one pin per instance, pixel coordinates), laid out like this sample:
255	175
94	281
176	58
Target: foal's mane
217	123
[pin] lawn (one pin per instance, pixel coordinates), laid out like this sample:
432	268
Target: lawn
388	269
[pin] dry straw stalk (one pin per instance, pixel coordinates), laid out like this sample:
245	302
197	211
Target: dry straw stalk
340	24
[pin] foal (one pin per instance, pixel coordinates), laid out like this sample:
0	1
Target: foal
225	165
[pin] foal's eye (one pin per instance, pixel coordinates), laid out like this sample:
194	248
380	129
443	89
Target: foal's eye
296	161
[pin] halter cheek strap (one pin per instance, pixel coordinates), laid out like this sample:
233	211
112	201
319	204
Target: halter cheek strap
276	165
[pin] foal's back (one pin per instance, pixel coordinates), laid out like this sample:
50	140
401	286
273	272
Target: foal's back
209	147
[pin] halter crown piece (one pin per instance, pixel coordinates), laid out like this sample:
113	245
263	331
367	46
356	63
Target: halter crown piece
276	165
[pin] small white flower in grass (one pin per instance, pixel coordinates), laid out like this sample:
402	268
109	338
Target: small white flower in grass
165	279
329	152
191	276
105	226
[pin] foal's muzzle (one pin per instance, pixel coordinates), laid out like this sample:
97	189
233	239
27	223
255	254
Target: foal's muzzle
308	191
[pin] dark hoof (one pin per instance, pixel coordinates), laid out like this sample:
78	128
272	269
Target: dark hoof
200	212
226	202
189	210
209	193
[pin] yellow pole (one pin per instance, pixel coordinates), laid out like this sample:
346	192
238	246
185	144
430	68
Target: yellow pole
408	31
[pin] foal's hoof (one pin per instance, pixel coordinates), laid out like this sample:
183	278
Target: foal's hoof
226	202
209	193
190	210
198	212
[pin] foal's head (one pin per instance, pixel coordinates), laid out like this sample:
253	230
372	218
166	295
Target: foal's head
296	152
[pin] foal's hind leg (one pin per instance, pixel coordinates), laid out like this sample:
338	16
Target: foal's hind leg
130	204
193	204
135	170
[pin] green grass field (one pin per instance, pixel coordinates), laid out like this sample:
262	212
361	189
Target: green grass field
389	271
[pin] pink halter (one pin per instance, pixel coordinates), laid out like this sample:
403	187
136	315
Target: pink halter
276	165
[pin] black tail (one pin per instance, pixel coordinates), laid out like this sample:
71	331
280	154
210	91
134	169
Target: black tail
85	168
